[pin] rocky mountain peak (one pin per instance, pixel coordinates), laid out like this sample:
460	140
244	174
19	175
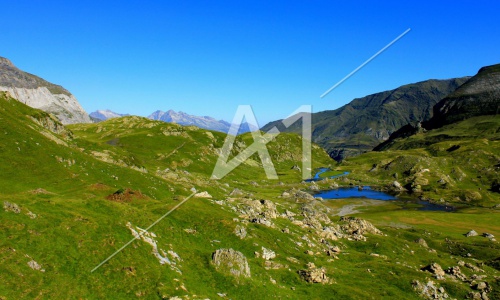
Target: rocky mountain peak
6	62
39	93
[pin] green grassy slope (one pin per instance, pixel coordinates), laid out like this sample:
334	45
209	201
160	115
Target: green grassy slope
479	96
76	227
456	163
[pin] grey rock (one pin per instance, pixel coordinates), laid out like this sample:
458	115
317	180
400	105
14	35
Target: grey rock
232	262
422	242
488	235
240	231
471	233
262	221
236	193
12	207
435	269
430	290
268	254
314	275
352	225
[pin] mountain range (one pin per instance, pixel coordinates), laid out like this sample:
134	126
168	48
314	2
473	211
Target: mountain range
365	122
180	118
103	115
183	118
55	99
101	210
357	127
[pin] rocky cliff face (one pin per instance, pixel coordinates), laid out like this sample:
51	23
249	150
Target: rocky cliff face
39	93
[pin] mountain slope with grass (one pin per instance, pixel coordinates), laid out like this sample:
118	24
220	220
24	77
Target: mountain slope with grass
457	163
72	196
366	122
452	158
479	96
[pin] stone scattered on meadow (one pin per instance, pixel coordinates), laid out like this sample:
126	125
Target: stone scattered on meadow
268	254
240	231
422	242
12	207
232	262
471	233
204	194
314	275
435	269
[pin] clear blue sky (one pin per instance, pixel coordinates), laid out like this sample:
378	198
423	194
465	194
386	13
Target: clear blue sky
207	57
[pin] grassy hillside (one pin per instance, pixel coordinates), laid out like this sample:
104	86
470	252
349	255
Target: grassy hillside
479	96
72	198
457	163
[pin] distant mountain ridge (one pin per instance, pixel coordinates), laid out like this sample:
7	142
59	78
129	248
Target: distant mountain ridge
365	122
204	122
181	118
106	114
39	93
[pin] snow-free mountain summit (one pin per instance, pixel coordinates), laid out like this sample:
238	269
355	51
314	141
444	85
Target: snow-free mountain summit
39	93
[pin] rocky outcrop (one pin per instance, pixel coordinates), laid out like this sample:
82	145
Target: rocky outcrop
401	133
352	225
297	195
314	275
232	262
259	211
240	231
12	207
41	94
435	269
268	254
430	290
49	122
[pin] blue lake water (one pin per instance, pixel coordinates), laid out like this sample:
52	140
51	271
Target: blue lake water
354	192
368	193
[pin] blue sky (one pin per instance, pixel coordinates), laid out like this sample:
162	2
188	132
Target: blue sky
207	57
